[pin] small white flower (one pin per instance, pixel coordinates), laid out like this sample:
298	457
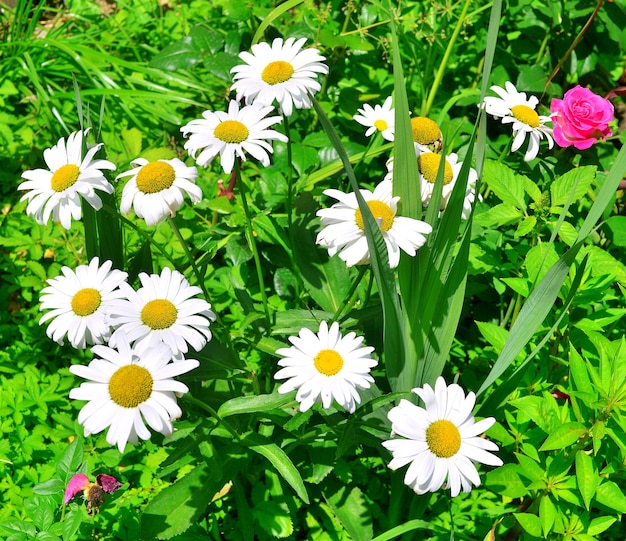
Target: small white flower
162	311
428	167
326	366
78	302
156	189
127	390
380	118
343	229
56	191
282	72
440	441
231	134
514	108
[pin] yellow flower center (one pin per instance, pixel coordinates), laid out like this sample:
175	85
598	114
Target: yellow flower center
159	314
525	114
130	386
381	125
428	164
277	72
86	301
425	130
382	214
64	177
328	362
231	131
155	176
443	438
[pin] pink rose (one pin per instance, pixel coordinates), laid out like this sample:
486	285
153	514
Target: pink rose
581	118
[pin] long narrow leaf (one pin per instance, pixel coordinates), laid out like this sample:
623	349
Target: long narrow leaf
394	336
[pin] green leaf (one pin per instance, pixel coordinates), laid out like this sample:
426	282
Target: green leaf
578	179
526	226
253	404
351	509
71	461
506	481
71	523
587	476
615	227
285	283
610	495
530	523
578	371
273	518
494	334
600	524
601	263
132	142
279	459
173	510
326	279
409	526
41	509
52	487
532	189
547	514
505	183
502	214
564	435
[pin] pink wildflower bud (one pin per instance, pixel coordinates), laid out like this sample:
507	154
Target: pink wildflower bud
108	482
581	118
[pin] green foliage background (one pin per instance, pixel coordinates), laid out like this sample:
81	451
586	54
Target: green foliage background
143	69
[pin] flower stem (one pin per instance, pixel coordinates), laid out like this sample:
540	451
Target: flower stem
352	294
253	246
444	60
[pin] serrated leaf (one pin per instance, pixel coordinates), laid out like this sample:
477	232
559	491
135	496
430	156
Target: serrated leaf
539	260
601	262
577	180
532	189
253	404
351	509
564	435
173	510
502	214
527	225
40	509
505	183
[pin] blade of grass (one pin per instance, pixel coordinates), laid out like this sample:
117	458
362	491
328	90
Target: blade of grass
394	336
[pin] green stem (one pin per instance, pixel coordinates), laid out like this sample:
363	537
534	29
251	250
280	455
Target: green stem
253	246
446	57
188	397
351	296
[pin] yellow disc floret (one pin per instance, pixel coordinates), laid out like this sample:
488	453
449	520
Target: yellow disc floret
381	125
231	131
86	301
428	164
277	72
382	214
159	314
443	438
130	386
328	362
155	177
527	115
64	177
425	131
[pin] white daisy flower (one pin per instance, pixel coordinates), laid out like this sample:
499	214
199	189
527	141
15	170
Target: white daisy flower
326	366
343	229
156	189
282	72
162	311
78	302
380	118
440	440
428	167
514	108
233	133
127	390
55	191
